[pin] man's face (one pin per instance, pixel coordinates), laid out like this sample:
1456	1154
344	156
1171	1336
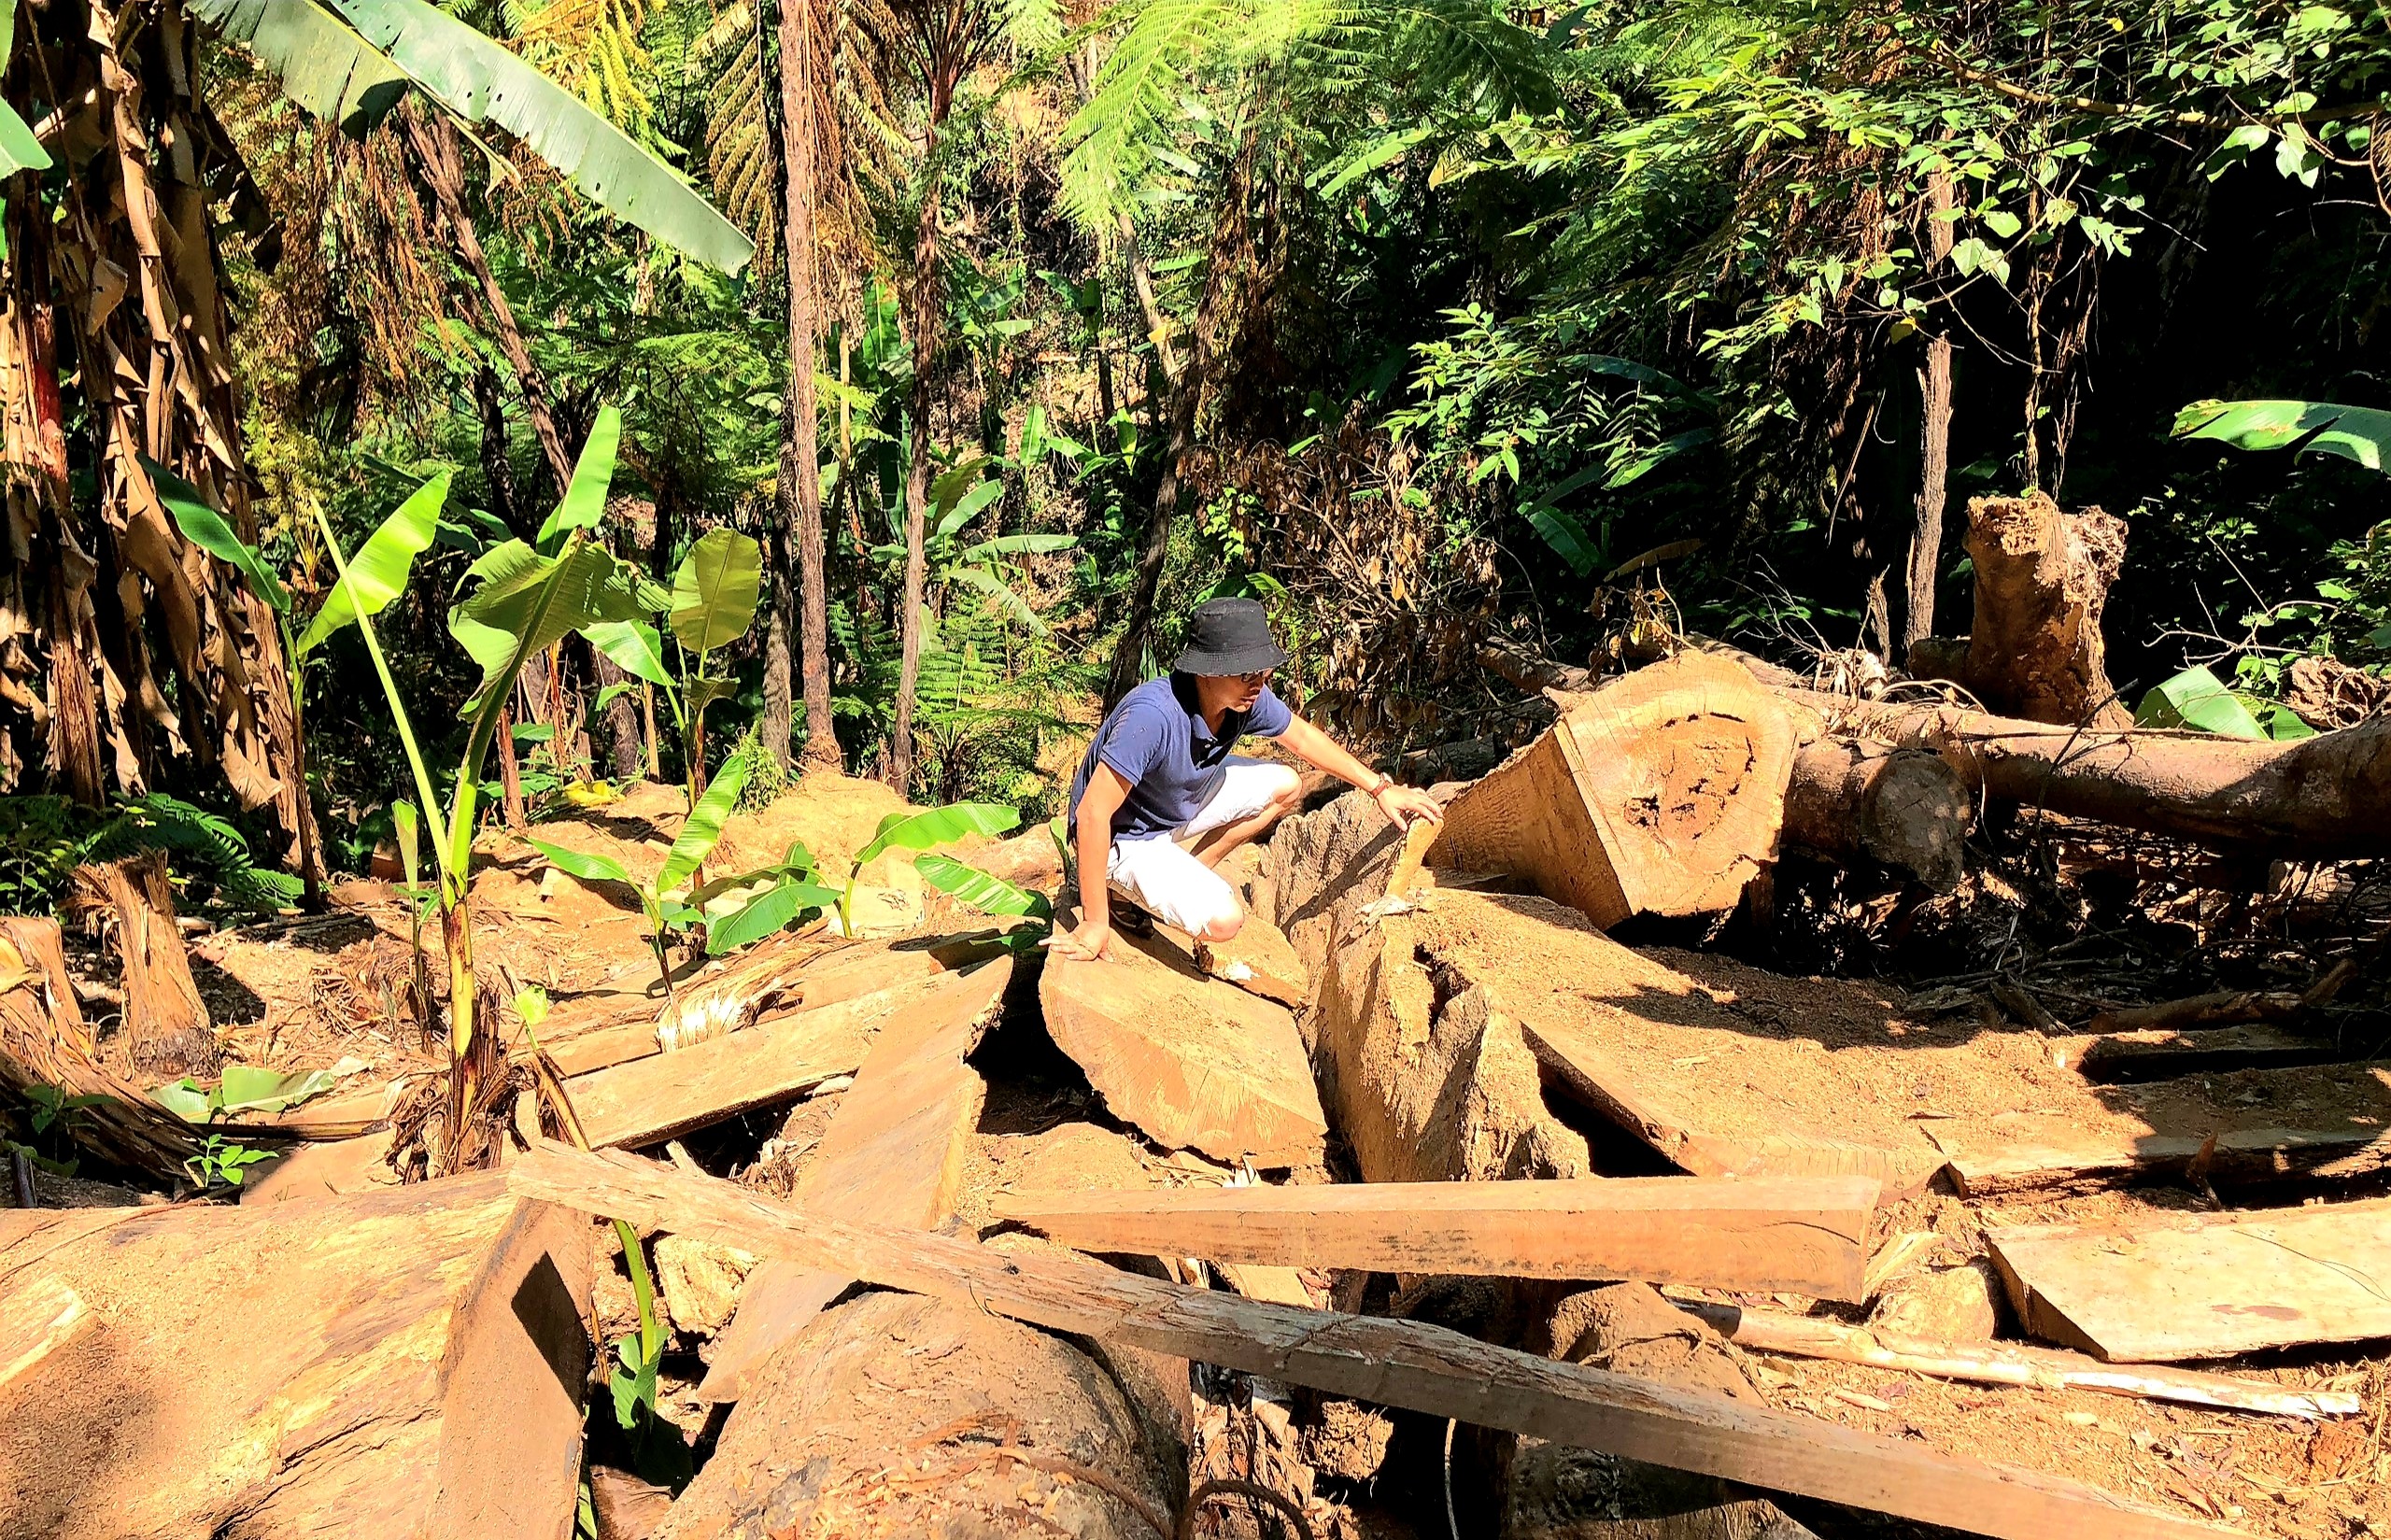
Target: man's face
1236	691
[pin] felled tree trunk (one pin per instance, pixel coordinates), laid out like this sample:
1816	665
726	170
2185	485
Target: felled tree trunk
1856	802
166	1026
2326	796
808	1451
2042	578
45	1041
1659	793
406	1363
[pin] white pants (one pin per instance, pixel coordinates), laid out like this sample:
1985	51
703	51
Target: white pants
1158	874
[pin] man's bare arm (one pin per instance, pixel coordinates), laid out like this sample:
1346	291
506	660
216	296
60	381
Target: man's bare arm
1403	805
1107	790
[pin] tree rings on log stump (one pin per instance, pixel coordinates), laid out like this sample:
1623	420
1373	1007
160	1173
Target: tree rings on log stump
1658	794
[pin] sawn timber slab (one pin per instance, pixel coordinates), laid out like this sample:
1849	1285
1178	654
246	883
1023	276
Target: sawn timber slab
1803	1235
1194	1062
2159	1288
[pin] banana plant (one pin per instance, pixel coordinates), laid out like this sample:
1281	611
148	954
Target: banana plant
665	900
961	494
523	602
715	594
926	831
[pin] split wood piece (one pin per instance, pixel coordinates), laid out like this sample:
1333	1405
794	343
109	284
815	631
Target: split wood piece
1857	803
1273	1285
1401	1364
2041	579
2012	1363
2328	796
1258	960
2326	1121
2159	1054
1894	1258
2177	1286
45	1041
893	1153
408	1363
1659	793
1194	1062
1801	1234
167	1030
321	1170
665	1096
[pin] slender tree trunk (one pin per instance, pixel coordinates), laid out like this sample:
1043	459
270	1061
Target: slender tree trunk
917	473
434	143
1926	540
801	448
497	469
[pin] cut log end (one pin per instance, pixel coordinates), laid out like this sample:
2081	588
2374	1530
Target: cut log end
1856	802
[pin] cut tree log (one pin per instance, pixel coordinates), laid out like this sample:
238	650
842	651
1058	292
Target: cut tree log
166	1028
2158	1288
46	1042
408	1363
1801	1234
649	1100
1194	1062
2042	578
2013	1363
1391	1362
810	1448
2328	796
1859	804
1659	793
893	1154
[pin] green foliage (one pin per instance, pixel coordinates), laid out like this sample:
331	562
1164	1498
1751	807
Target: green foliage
221	1163
2196	699
2354	432
715	590
18	149
203	527
379	570
43	839
242	1088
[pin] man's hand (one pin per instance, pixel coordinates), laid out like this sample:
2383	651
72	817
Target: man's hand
1091	942
1408	805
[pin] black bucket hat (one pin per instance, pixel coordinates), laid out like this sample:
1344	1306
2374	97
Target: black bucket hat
1229	636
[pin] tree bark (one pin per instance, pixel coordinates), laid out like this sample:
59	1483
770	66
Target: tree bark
926	317
497	469
1859	804
1185	381
403	1362
1925	541
2042	578
166	1026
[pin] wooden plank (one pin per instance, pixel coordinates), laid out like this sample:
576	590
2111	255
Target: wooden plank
2177	1286
2160	1053
1401	1364
2013	1363
2016	1152
1804	1235
1194	1062
663	1095
893	1154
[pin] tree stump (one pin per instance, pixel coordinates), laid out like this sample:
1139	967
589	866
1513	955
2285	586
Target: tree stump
1659	793
166	1027
406	1363
2043	577
45	1041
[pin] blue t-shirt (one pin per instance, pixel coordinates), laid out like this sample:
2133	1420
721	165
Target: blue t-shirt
1157	737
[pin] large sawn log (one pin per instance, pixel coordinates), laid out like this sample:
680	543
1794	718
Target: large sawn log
1659	793
2328	796
1859	804
406	1363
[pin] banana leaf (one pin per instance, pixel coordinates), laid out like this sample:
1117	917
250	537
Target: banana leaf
380	569
703	828
2354	432
938	827
988	893
590	868
18	149
2197	699
584	501
777	908
635	648
205	528
715	590
529	602
329	70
